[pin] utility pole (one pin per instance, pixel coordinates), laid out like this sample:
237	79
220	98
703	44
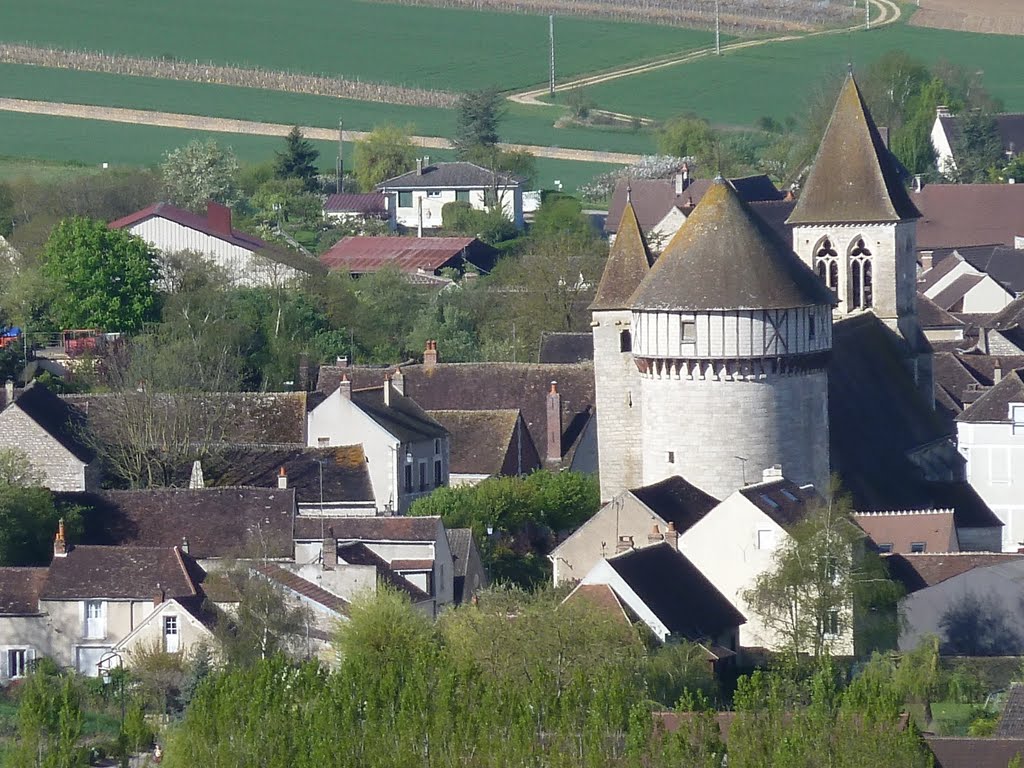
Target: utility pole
551	45
718	32
867	14
341	160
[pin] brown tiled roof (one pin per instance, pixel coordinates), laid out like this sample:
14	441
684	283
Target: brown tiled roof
600	596
936	530
1003	263
360	255
308	528
629	260
676	592
854	177
481	441
402	417
412	565
374	203
994	405
783	501
295	583
917	571
1011	316
951	297
931	315
566	347
489	386
939	270
20	589
724	257
119	573
217	522
258	418
459	542
676	501
360	554
955	752
1011	721
969	214
62	422
961	378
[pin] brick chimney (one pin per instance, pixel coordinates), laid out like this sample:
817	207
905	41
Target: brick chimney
430	354
672	536
624	544
554	419
60	544
282	479
398	381
184	544
160	595
330	552
943	111
655	537
774	472
303	377
345	387
218	217
926	260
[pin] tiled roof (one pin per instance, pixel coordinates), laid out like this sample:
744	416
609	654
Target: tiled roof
951	297
1002	263
566	347
724	257
939	270
917	571
412	564
955	752
217	522
936	530
459	542
300	586
119	573
599	596
956	215
676	501
401	417
365	254
854	178
360	554
676	592
629	261
783	501
1011	316
449	176
964	377
20	589
482	440
930	315
994	404
343	470
308	528
373	203
1011	721
63	423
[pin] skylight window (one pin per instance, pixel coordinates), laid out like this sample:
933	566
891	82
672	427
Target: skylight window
789	495
769	501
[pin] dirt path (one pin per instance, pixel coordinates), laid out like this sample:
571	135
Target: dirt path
228	125
889	12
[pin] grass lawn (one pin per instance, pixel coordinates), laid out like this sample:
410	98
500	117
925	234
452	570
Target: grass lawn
88	143
775	79
525	125
447	49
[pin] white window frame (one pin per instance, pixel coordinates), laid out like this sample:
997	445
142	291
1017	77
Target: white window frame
767	539
28	656
433	193
1017	418
171	621
99	629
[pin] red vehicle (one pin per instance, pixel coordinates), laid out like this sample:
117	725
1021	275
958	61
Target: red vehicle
81	341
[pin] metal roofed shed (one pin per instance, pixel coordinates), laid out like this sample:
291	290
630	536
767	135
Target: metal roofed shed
409	255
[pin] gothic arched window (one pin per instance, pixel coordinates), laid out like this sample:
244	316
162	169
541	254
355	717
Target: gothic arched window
861	296
826	263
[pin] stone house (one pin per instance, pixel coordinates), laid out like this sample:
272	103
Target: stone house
52	435
487	444
407	452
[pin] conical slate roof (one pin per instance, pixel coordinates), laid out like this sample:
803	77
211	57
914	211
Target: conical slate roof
854	178
628	262
725	257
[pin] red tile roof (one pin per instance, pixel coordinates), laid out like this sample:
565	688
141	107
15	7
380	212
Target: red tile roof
299	585
969	214
191	220
934	529
360	255
349	202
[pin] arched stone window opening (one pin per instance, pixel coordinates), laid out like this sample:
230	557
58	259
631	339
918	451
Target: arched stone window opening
826	263
861	294
625	342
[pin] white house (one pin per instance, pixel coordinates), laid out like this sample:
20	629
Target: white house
246	259
407	452
955	285
417	197
946	134
990	435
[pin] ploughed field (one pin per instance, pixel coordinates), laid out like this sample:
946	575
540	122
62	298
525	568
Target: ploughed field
1005	17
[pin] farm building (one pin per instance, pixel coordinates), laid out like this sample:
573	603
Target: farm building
421	259
247	260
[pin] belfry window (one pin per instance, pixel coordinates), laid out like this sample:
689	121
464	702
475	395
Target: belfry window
826	263
861	294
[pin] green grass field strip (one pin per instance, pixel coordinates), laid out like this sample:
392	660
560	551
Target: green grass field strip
446	49
523	125
775	79
93	142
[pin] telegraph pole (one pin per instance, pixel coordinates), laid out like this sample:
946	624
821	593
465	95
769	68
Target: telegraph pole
867	14
718	32
551	45
341	160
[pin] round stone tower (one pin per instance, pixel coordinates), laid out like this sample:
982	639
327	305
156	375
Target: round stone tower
731	336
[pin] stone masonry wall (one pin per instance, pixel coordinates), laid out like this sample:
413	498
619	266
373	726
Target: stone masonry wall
61	471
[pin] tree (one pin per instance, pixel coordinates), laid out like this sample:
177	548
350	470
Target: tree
198	172
978	149
28	521
6	210
386	152
479	115
298	160
689	136
101	277
49	722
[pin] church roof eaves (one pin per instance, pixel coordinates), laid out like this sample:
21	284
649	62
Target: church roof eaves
854	178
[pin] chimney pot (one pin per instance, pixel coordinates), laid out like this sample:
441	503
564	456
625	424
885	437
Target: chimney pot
624	544
282	479
60	544
398	381
430	354
655	535
672	536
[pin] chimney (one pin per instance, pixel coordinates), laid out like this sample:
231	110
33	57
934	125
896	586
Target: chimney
997	372
9	392
926	260
672	536
160	595
554	413
430	355
303	372
419	166
398	381
282	479
341	362
196	480
330	552
387	391
1018	243
774	472
184	544
345	387
680	186
60	544
218	217
918	182
655	537
943	111
624	544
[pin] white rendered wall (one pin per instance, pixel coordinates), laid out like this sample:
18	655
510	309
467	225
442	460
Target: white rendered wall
433	200
943	150
995	469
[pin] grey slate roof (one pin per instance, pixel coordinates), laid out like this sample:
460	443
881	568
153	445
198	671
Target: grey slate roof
725	257
62	422
854	178
782	500
119	573
676	501
1011	721
566	347
931	315
402	418
994	405
20	589
1009	317
458	175
629	260
459	542
958	752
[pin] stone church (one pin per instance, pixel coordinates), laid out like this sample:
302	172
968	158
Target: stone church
737	351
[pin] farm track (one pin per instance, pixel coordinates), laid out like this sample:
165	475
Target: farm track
889	12
252	128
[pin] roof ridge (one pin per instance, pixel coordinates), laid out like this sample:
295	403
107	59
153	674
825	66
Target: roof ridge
905	512
181	564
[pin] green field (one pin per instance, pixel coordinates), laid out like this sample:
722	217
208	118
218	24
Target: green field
776	79
523	125
447	49
92	142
